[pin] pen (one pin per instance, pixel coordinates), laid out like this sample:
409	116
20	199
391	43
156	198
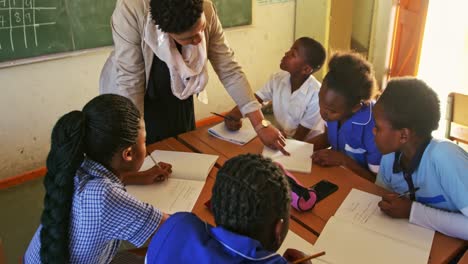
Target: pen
223	116
309	257
408	192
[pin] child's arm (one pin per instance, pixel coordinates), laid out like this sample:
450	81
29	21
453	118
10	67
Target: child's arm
330	157
157	173
301	133
320	141
453	224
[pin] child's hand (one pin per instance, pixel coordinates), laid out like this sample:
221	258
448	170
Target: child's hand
329	157
232	123
394	206
292	254
157	173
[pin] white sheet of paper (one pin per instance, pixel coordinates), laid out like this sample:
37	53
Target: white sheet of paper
362	208
240	137
345	242
300	159
293	240
181	190
185	165
173	195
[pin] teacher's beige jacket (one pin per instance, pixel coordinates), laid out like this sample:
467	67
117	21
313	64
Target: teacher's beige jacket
126	71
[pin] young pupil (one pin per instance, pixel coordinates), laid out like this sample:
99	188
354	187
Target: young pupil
346	104
250	203
434	172
293	92
87	211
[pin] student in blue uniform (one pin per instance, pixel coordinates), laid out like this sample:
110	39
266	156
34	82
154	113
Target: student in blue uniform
87	211
346	102
433	172
250	203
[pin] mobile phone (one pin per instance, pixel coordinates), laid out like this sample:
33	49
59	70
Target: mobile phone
323	189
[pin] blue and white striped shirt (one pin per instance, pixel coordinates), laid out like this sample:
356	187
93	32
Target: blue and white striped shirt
102	215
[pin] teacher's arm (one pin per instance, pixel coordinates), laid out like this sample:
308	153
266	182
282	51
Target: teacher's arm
127	25
234	80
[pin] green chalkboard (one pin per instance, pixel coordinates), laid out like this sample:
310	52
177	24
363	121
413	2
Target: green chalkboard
234	13
30	28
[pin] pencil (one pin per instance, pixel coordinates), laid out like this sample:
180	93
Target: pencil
408	192
309	257
151	157
223	116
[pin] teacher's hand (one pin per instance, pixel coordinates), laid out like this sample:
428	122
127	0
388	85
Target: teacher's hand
273	139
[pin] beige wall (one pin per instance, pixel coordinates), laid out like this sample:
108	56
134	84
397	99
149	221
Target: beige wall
362	21
35	95
313	20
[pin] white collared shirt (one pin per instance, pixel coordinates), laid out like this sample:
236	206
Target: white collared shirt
293	109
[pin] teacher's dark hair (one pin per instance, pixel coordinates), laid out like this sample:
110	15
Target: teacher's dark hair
108	124
175	16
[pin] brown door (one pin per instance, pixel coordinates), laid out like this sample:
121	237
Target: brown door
408	34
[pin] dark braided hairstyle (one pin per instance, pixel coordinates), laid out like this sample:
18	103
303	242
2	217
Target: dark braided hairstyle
352	76
250	195
175	16
107	124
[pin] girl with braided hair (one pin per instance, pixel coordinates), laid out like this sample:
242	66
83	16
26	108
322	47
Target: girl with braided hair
250	203
87	211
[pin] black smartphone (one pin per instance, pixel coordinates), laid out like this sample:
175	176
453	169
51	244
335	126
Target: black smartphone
323	189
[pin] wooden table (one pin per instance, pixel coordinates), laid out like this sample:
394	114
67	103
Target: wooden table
200	209
443	249
464	259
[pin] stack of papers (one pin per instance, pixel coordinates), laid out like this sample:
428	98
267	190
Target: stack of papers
240	137
181	190
360	233
300	159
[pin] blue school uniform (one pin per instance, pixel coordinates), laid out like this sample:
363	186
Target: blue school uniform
184	238
102	215
439	169
355	138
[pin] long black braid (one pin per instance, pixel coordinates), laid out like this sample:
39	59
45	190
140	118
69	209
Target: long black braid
107	124
250	194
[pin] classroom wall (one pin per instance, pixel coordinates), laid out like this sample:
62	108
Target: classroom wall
362	21
35	95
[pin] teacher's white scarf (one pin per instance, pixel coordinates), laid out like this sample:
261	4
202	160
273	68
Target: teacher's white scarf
187	68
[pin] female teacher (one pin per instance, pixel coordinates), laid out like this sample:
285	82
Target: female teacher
160	61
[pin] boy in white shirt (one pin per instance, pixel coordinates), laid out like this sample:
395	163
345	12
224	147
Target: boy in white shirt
293	92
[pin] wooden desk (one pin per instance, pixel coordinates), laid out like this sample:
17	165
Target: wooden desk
443	249
199	208
464	259
204	213
200	141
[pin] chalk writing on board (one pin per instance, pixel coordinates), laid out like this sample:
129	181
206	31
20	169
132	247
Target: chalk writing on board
21	15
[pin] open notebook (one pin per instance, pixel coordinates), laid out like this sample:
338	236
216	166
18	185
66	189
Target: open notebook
293	240
181	190
360	233
300	159
240	137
